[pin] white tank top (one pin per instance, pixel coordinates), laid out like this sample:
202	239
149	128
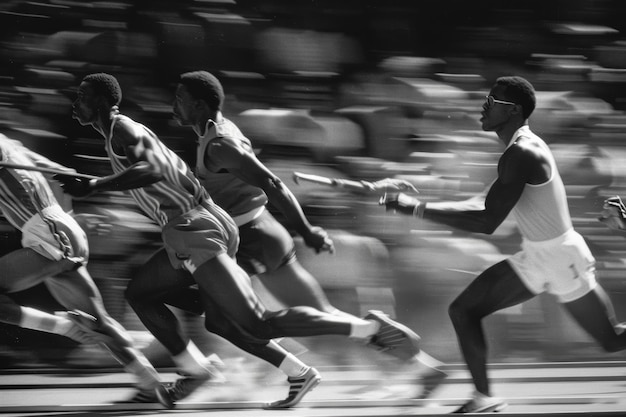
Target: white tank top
542	212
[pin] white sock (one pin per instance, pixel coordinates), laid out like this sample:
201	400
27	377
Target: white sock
191	361
148	377
292	366
363	329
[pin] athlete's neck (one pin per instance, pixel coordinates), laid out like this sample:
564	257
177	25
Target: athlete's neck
203	126
104	119
505	134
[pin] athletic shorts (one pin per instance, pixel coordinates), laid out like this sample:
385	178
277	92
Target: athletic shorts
56	235
265	245
563	266
199	235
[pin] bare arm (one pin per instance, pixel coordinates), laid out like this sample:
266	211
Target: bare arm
518	166
145	168
244	164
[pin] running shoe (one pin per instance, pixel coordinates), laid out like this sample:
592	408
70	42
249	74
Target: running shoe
430	381
299	386
150	396
482	404
393	338
141	396
181	388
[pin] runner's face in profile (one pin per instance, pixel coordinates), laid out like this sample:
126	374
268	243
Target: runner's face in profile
183	106
84	108
496	109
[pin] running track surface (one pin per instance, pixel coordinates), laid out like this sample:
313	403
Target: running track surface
581	389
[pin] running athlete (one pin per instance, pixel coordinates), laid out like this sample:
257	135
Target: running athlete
241	184
554	258
55	252
201	238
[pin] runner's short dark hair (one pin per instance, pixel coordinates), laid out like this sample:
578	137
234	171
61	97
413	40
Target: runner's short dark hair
519	91
105	85
203	85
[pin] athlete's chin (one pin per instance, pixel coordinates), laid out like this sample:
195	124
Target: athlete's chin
485	125
78	119
179	120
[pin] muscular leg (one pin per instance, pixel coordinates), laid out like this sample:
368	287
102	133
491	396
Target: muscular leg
496	288
76	289
265	241
24	268
293	285
228	286
158	283
150	286
20	270
73	289
594	313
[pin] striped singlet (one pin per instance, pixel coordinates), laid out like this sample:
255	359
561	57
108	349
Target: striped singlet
23	193
177	193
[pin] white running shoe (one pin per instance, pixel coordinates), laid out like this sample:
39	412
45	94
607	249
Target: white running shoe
482	404
299	386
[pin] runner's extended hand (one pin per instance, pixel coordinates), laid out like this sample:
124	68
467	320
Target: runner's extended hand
392	184
74	186
400	202
318	239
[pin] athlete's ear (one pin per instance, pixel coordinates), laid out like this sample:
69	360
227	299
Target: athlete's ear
516	109
200	104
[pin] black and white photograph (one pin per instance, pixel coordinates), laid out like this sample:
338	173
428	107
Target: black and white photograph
327	208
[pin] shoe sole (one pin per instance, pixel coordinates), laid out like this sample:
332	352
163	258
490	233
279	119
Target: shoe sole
493	408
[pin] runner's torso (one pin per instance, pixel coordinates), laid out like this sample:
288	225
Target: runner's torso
542	212
229	192
178	192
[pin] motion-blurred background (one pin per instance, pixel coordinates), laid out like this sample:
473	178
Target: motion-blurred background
359	89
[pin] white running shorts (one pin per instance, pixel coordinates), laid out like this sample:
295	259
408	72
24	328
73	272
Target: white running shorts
56	235
563	266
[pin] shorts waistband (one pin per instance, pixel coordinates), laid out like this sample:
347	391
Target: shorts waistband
550	242
175	220
249	216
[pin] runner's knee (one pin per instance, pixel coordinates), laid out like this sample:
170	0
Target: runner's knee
457	312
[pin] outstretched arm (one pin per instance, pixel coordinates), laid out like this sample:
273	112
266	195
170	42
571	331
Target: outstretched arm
243	163
145	169
517	166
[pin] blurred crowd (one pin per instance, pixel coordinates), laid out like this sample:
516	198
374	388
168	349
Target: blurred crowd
345	89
